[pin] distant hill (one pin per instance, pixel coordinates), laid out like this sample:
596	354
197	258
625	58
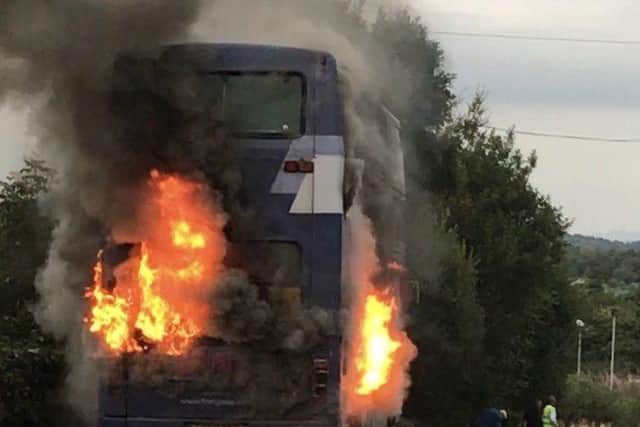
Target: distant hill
599	244
623	236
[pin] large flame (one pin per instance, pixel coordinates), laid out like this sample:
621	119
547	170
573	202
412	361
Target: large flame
109	314
160	294
375	357
379	354
379	351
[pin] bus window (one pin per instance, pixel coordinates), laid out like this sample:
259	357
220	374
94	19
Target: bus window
258	104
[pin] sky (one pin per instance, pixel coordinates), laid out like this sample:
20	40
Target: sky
15	142
567	88
553	87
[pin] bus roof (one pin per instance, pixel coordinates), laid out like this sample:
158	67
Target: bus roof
236	56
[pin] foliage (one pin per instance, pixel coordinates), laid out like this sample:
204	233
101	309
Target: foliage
32	368
483	194
448	327
616	269
606	275
600	289
593	244
589	398
24	234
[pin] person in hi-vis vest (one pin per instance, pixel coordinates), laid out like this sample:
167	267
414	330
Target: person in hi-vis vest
549	414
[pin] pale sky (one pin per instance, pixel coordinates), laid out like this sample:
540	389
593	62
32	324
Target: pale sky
554	87
14	140
569	88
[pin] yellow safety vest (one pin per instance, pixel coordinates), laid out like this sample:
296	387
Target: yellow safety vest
546	416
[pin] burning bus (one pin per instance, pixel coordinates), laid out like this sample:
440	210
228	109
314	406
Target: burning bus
221	303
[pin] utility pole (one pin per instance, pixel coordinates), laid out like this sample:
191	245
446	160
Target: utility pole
613	346
580	325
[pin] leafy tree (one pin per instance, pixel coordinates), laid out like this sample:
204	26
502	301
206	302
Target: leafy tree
606	275
24	234
31	364
32	369
589	399
517	237
448	329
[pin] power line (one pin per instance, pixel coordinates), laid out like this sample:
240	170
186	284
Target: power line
535	38
574	138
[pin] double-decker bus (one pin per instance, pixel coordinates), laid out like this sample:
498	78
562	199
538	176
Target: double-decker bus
281	114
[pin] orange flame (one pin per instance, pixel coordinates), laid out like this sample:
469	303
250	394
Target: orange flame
109	314
379	356
376	354
184	238
160	297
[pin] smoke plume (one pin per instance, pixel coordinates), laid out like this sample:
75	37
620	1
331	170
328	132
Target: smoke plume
59	58
273	322
386	401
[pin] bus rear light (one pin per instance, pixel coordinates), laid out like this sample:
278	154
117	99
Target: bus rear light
298	166
291	166
321	371
306	166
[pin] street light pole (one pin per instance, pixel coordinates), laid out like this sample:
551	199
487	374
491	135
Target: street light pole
613	347
580	325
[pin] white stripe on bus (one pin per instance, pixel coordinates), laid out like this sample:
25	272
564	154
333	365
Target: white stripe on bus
321	192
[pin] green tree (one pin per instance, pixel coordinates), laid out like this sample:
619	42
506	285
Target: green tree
24	234
448	329
517	237
589	399
31	364
605	275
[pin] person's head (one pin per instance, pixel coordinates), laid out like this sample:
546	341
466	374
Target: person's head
538	403
503	414
552	400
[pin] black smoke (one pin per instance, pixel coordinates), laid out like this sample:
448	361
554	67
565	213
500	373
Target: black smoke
57	57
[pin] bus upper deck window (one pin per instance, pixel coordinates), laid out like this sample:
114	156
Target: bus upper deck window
261	104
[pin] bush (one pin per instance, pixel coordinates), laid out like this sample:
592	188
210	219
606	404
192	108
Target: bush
32	371
588	398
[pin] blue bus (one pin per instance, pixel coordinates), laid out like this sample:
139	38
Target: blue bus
281	114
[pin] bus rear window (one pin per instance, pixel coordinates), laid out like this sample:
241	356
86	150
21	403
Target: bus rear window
258	104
